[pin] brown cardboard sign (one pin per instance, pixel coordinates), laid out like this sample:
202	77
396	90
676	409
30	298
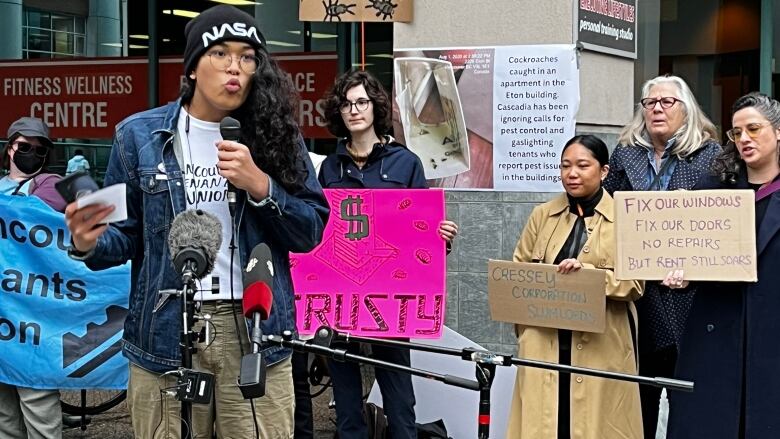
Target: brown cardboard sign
356	10
537	295
708	234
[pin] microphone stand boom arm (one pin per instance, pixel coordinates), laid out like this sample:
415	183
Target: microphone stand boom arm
286	340
486	363
487	357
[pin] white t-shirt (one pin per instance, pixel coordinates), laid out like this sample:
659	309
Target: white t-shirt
207	190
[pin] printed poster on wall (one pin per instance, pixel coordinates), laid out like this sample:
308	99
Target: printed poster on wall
487	118
380	268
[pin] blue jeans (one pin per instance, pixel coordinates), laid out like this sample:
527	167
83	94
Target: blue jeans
396	388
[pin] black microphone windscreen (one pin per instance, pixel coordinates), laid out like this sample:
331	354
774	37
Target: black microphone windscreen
260	267
199	231
230	129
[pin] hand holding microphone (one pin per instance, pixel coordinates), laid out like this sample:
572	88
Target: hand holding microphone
236	164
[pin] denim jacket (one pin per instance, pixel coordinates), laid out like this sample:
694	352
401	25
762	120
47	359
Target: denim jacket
143	157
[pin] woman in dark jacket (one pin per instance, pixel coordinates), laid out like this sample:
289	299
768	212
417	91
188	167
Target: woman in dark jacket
668	145
358	111
729	348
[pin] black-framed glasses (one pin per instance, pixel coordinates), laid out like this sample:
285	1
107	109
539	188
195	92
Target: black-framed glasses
26	148
752	130
666	102
361	105
222	60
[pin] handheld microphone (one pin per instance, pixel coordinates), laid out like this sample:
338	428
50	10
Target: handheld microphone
230	129
193	241
257	301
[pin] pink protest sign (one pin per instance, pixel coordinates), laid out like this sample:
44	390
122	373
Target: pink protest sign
380	269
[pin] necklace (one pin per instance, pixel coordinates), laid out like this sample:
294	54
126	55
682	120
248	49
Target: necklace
359	159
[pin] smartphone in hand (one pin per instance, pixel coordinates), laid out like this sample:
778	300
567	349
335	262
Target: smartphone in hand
75	186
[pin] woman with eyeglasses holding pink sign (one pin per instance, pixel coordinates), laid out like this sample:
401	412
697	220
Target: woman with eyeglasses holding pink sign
668	145
729	347
358	111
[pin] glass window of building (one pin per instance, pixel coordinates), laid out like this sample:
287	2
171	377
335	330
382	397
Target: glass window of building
52	34
714	45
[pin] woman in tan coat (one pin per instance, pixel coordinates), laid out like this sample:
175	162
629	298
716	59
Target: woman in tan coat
573	231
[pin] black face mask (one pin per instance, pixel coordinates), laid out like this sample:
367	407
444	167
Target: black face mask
28	163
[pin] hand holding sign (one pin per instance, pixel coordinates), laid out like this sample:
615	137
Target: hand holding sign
674	280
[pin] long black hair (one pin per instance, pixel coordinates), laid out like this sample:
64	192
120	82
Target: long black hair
728	164
268	121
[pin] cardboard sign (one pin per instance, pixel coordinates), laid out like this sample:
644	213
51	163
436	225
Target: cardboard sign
708	234
380	268
86	98
356	10
536	295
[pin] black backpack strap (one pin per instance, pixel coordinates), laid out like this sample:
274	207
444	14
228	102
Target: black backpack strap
19	186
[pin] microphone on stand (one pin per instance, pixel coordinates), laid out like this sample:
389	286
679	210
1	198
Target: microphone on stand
257	302
230	129
194	241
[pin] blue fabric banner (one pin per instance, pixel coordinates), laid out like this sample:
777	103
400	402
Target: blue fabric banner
60	323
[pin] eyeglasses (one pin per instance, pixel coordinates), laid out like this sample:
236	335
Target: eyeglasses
221	60
666	102
361	105
26	148
752	130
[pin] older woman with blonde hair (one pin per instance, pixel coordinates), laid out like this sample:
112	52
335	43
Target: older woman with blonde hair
668	145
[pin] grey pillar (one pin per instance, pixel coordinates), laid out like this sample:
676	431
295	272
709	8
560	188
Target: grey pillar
11	29
648	31
153	74
765	54
104	28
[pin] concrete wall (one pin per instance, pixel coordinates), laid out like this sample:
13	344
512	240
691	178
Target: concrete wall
491	222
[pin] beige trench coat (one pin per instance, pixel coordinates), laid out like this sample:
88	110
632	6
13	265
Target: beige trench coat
600	408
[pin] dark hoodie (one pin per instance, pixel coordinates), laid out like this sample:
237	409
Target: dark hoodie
390	165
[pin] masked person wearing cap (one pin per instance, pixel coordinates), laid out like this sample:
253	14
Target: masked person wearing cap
173	158
25	157
26	412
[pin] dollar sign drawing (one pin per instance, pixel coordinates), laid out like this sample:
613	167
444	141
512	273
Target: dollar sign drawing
358	222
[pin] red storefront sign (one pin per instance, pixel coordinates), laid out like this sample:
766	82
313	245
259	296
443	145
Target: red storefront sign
86	98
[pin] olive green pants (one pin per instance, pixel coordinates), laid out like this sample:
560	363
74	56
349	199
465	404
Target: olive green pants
155	415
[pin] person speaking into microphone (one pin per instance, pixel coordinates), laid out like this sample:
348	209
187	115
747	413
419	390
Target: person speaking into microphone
174	158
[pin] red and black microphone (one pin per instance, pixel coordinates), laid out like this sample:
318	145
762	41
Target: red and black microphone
257	301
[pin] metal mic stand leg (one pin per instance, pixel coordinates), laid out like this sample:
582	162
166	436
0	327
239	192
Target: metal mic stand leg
187	348
485	375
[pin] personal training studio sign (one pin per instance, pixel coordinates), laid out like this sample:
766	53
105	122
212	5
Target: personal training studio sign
607	26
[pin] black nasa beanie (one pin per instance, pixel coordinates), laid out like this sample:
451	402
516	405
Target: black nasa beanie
215	25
